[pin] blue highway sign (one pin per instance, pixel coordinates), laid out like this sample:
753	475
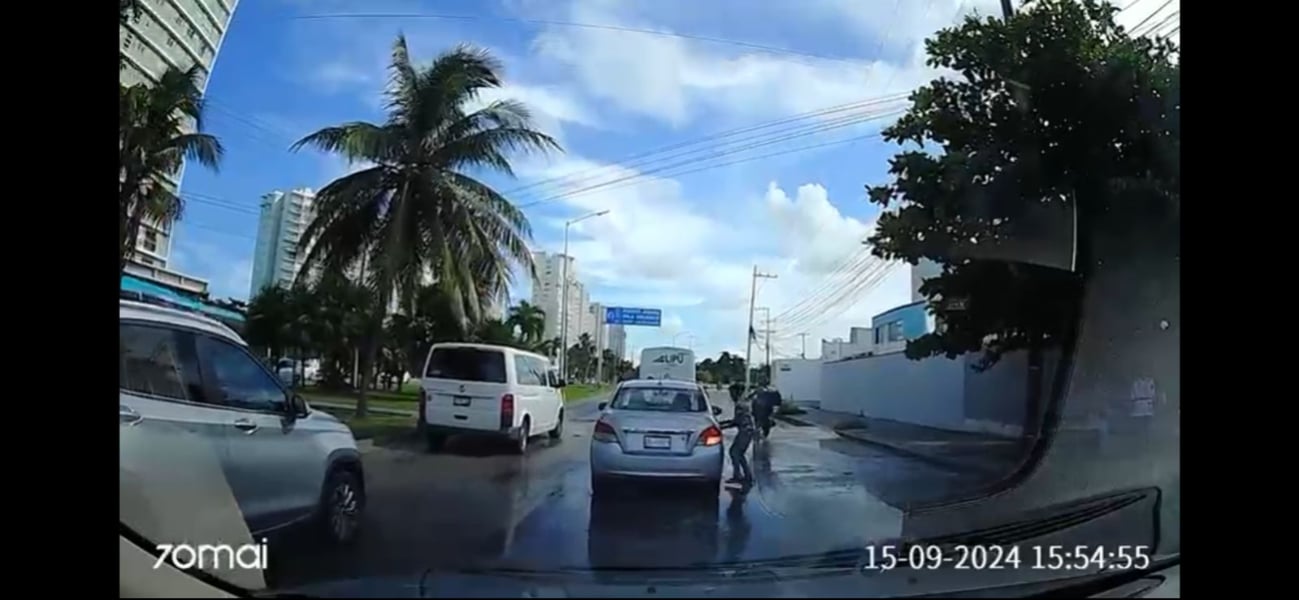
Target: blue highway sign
622	315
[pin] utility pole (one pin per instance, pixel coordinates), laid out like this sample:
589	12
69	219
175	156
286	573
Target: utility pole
767	343
1006	9
803	353
748	334
599	347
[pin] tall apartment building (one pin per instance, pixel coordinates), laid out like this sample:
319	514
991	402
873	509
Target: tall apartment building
277	257
169	33
617	337
546	294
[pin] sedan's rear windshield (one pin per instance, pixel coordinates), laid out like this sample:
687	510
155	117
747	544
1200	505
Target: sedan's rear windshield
467	364
659	399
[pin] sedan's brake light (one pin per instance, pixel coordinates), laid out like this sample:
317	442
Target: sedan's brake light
604	432
711	436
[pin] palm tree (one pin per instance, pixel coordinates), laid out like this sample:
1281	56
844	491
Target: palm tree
153	140
415	208
530	320
269	314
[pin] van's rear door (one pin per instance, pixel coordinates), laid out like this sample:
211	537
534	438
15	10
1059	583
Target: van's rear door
464	385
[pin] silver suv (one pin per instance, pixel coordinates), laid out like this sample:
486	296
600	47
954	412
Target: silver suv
283	463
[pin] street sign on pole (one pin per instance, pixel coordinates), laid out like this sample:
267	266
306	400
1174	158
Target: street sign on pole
623	315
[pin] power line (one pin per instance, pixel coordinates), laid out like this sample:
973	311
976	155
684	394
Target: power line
824	289
657	153
849	297
1151	15
811	315
1162	23
632	178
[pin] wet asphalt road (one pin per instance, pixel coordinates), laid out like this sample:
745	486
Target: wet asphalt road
474	504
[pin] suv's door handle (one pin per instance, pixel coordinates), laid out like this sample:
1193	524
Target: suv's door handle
127	415
245	425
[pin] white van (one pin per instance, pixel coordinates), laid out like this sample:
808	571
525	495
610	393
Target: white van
481	388
667	362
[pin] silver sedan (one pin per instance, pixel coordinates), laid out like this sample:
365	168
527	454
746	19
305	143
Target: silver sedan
659	430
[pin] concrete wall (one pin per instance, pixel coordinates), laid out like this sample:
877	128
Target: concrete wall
936	392
797	379
890	386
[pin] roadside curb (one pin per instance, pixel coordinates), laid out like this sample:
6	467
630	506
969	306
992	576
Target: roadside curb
945	463
379	410
793	420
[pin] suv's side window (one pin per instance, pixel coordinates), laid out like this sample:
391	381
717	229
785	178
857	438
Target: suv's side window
158	361
542	369
525	372
238	378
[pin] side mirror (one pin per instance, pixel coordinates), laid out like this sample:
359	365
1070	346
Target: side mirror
717	411
297	406
602	406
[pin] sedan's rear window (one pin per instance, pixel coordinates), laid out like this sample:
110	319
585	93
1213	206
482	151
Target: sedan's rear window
467	364
659	399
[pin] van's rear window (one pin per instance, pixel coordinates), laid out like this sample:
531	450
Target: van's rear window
467	364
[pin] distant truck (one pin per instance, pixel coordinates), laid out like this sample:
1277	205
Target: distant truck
667	362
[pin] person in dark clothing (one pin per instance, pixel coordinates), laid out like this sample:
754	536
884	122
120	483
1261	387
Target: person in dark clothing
744	426
736	389
765	404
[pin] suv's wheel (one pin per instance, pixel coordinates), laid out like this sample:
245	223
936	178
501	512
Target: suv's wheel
525	430
342	503
558	431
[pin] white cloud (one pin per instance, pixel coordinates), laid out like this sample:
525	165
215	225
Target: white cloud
657	248
670	78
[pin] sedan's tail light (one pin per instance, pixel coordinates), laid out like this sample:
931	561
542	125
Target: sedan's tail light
604	432
711	436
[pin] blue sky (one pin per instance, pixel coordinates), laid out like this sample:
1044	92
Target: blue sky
685	243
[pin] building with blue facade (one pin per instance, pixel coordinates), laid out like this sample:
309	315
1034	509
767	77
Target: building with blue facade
892	328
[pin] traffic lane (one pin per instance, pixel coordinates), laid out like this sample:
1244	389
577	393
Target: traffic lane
807	500
452	509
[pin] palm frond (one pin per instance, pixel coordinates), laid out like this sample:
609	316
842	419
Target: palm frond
346	210
402	81
202	147
356	141
491	201
488	148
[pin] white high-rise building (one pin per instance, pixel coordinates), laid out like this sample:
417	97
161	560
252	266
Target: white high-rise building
618	340
278	256
546	294
180	34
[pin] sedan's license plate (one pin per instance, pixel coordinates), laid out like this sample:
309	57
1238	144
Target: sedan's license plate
658	442
460	401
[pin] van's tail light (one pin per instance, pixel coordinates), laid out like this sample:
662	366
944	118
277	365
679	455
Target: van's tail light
711	436
604	432
507	411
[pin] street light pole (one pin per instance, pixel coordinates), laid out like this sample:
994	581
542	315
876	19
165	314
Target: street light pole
563	295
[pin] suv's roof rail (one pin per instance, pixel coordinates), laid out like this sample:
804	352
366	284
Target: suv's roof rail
165	311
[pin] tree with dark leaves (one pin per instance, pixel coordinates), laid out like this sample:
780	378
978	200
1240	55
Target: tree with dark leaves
1056	108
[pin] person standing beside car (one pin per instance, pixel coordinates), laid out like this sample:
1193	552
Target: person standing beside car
744	426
